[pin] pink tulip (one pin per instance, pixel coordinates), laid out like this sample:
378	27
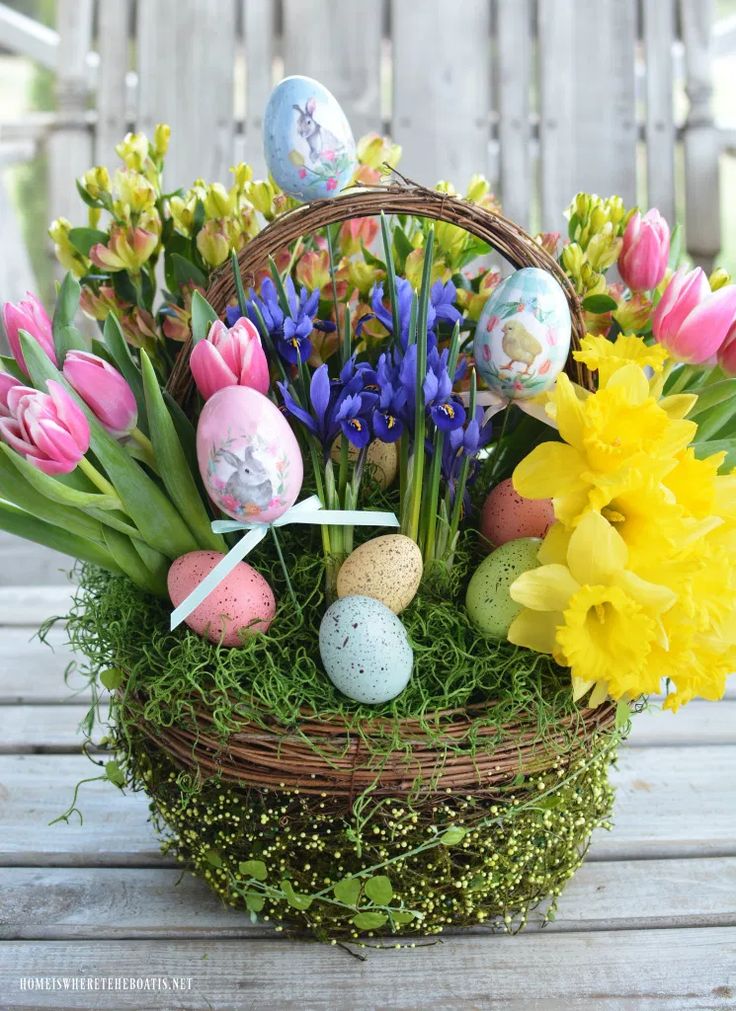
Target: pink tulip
726	352
6	383
31	316
231	357
48	429
645	251
690	320
103	390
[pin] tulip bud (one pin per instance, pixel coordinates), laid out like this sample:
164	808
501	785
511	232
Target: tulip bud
48	429
645	252
103	390
7	383
230	357
28	315
213	242
691	321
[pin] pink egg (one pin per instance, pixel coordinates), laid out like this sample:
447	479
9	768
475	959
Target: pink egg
248	456
243	603
506	515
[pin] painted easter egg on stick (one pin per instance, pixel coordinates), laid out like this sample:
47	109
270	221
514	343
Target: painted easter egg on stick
307	140
522	338
248	456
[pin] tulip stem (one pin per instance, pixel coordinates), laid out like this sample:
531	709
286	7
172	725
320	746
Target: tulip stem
145	446
99	481
279	552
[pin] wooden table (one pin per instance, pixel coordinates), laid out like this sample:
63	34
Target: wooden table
648	923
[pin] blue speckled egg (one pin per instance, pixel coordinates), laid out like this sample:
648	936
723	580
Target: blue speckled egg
307	140
488	601
365	649
522	338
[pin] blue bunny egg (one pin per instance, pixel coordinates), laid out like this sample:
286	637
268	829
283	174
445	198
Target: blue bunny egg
522	337
365	649
307	140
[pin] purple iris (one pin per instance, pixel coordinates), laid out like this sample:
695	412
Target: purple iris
290	332
441	308
345	404
446	411
390	413
462	443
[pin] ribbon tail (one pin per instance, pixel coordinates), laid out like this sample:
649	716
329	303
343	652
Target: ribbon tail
223	569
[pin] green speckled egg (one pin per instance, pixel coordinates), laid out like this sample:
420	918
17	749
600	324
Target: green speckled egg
488	602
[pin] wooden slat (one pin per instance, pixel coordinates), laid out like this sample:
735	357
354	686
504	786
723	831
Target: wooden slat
24	35
672	802
513	57
674	970
185	70
557	88
259	25
658	18
31	605
702	144
42	666
16	272
113	47
339	45
22	561
112	902
44	728
697	723
441	89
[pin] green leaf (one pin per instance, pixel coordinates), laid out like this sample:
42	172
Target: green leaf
186	272
402	916
713	395
623	714
255	901
675	247
123	360
295	899
712	421
727	446
253	869
112	678
84	238
518	779
185	431
129	560
369	920
89	201
599	303
203	316
114	773
143	500
347	890
213	858
10	365
453	835
66	336
23	524
173	464
379	890
403	248
54	490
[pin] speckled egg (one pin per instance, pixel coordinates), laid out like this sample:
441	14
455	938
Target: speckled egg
365	650
307	140
506	515
242	604
522	337
387	568
381	460
489	604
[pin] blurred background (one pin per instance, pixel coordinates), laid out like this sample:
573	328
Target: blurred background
545	97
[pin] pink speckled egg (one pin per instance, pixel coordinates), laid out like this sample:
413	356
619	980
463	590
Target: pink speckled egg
243	603
249	459
506	515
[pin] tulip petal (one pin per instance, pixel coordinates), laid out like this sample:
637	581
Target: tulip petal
706	327
209	369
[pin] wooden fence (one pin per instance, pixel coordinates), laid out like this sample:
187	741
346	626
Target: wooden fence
546	97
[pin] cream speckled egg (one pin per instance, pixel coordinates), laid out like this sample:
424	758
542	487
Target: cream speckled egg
507	515
381	461
488	601
387	568
242	604
365	650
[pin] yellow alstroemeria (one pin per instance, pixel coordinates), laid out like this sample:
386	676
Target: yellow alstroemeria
132	194
592	613
127	249
68	256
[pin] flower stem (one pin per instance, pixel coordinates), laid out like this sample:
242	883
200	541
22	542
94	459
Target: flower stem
333	278
99	481
145	447
285	571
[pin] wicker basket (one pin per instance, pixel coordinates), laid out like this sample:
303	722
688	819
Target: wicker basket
324	762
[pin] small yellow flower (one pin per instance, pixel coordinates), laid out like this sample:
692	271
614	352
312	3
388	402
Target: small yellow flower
161	137
69	257
133	151
605	357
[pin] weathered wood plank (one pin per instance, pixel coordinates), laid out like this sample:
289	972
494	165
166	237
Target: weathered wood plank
441	100
87	903
16	272
658	18
31	605
259	26
672	802
27	563
24	35
32	672
340	45
113	47
513	57
697	723
607	970
44	728
557	86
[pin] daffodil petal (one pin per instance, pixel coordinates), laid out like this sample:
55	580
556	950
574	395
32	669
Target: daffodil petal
535	630
554	546
580	687
568	411
547	468
679	405
632	381
651	595
598	695
595	551
547	588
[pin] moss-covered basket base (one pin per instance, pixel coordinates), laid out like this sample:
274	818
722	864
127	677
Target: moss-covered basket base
384	867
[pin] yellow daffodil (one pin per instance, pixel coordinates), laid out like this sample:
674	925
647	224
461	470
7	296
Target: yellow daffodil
592	613
605	356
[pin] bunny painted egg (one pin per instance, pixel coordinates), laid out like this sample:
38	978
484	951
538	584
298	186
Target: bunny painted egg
242	604
365	649
522	338
488	600
248	456
307	140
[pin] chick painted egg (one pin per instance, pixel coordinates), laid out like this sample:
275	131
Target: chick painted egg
365	650
381	460
387	568
489	604
506	515
307	140
522	338
248	456
242	604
